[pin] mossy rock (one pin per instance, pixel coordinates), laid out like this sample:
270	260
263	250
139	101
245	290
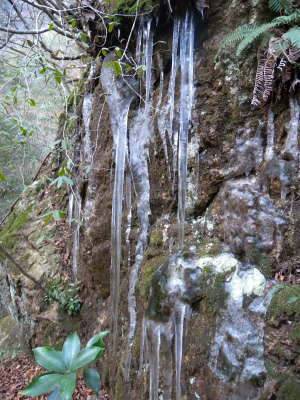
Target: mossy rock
286	300
213	292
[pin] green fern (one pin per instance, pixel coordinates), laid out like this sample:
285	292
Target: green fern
237	35
293	35
254	35
280	5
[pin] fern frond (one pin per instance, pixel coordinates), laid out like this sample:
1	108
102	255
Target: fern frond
237	35
254	35
288	19
293	35
280	5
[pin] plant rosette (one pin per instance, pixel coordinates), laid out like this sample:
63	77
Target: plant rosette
61	382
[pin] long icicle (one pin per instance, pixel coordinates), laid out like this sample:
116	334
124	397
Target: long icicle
186	59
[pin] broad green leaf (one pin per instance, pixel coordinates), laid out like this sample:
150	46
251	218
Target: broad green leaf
73	23
68	180
53	182
111	27
109	64
104	52
58	79
117	68
61	172
29	42
83	37
84	357
40	239
59	182
31	102
51	27
292	299
42	384
49	358
92	379
2	177
70	172
56	215
71	348
64	144
55	395
67	386
97	340
119	52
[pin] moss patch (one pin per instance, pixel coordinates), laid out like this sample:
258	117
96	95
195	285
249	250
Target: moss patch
286	300
213	292
149	270
295	335
290	389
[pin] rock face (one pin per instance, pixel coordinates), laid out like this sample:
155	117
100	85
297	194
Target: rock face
188	199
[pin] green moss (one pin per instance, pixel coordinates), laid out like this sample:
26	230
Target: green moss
15	221
156	238
130	7
213	293
150	268
295	335
267	268
281	302
290	389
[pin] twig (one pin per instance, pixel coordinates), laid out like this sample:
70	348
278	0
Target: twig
16	264
16	201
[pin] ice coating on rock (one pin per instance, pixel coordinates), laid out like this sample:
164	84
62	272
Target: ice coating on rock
148	56
270	138
118	93
291	144
237	351
250	222
76	244
140	133
129	208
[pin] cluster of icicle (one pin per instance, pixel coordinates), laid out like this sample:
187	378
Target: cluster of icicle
132	158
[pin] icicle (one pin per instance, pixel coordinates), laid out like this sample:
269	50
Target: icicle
173	136
153	336
166	342
129	210
179	317
185	114
77	215
139	43
70	212
270	138
291	145
162	114
86	115
148	56
119	33
139	136
142	345
119	100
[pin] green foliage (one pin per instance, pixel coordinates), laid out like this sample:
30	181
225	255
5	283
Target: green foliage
280	6
246	34
67	362
67	296
289	389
